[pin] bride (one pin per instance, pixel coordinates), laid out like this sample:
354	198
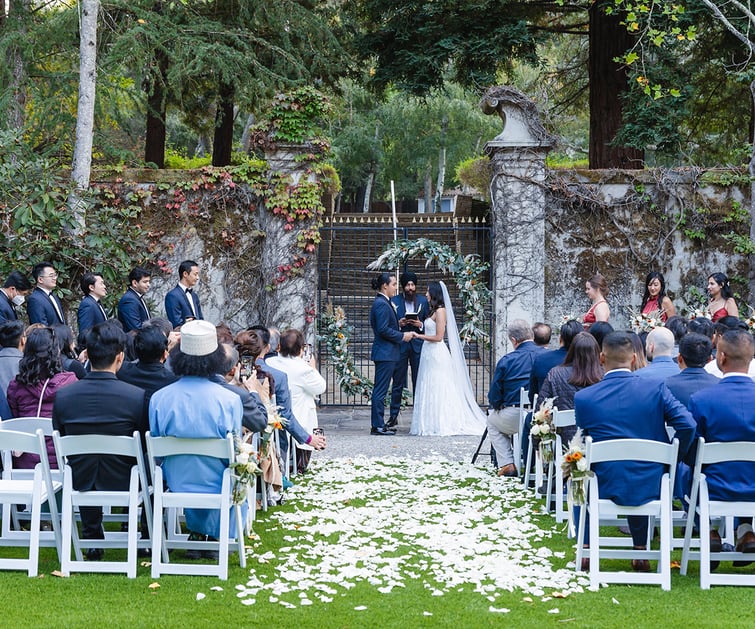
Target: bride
444	403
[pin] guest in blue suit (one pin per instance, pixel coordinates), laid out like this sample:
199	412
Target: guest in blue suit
624	406
182	303
90	311
694	353
659	347
411	309
386	347
726	412
43	306
132	309
12	294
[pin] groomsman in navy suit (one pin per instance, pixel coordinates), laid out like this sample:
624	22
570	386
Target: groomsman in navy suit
44	306
625	406
411	309
386	347
726	412
132	309
182	303
90	311
12	294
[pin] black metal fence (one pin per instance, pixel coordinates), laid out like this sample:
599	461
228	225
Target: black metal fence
351	242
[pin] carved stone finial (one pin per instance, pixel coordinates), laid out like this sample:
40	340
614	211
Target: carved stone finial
521	120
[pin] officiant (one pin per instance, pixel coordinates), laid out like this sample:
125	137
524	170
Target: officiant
412	309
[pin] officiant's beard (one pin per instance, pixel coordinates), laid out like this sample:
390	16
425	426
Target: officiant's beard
410	290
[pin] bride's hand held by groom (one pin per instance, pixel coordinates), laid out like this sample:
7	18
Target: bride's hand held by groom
409	336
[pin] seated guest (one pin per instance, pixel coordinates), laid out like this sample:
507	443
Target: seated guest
100	404
252	391
195	407
32	392
610	410
541	334
12	340
599	330
90	310
721	326
678	327
702	325
148	372
726	412
545	361
71	362
511	374
304	383
694	354
638	343
659	346
581	369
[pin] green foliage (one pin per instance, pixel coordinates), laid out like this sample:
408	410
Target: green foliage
475	172
298	116
173	159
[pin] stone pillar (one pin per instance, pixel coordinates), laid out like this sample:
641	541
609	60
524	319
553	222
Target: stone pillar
517	195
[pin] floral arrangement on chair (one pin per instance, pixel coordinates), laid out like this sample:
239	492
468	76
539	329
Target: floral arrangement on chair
575	468
245	470
274	422
542	429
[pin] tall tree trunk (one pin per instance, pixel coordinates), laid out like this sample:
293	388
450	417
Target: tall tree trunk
429	187
441	184
82	152
368	191
246	135
608	81
18	11
222	144
154	142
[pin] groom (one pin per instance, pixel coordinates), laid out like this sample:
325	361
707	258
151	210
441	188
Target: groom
412	309
386	347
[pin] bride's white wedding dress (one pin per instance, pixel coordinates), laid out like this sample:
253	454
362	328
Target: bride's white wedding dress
443	400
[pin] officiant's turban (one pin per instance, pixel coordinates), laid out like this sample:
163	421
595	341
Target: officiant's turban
408	277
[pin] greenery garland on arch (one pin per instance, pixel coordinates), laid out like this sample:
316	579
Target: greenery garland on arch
467	271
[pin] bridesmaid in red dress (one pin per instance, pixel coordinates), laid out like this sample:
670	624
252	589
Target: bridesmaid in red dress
721	302
655	298
596	289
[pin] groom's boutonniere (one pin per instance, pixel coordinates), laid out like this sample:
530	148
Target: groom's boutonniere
395	307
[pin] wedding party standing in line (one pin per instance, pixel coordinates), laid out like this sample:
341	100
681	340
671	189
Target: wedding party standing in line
444	402
412	309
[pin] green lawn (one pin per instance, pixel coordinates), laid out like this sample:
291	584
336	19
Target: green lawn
332	525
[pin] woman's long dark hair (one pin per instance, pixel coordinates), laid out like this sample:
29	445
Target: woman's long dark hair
654	275
436	296
723	282
584	357
64	339
41	359
249	343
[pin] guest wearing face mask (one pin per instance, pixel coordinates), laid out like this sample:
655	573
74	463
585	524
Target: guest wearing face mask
13	294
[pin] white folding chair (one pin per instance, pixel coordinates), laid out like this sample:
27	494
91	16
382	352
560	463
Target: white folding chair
707	509
168	502
561	419
11	517
533	455
27	491
137	495
603	511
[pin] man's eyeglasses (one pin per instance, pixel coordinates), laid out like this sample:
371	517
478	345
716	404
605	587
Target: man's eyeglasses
53	276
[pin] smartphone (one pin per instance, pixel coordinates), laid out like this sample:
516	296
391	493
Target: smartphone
247	366
307	355
318	431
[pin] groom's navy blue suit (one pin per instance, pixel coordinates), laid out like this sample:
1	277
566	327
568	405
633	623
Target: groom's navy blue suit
409	352
386	351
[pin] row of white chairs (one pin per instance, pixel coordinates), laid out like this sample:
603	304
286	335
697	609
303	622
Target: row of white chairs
40	486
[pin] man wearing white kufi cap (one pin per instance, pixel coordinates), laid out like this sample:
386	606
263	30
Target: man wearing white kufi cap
195	407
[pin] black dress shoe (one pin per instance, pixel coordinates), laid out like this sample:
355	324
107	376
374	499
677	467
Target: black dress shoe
393	421
95	554
383	431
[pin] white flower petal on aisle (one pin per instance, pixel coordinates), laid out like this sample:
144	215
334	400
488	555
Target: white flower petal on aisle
391	520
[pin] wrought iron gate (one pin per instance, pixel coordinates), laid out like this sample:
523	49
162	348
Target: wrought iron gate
350	243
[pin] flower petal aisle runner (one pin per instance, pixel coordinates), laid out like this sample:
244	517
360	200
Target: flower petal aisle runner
386	522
